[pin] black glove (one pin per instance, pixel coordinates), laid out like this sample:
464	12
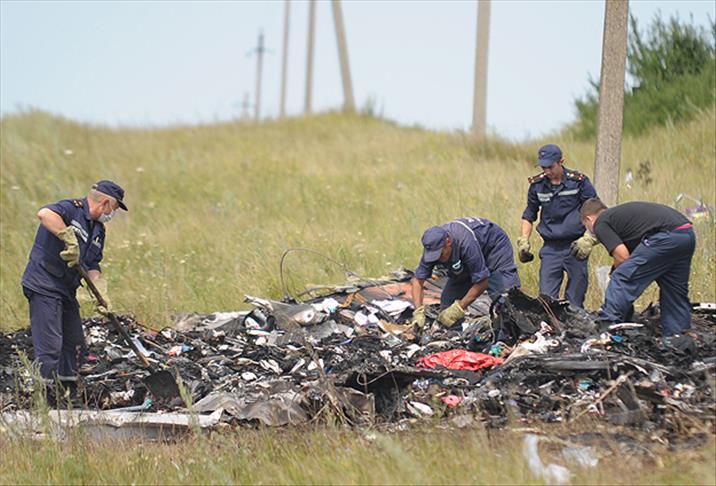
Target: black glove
524	253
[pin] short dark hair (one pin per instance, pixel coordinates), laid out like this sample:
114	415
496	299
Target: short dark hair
592	206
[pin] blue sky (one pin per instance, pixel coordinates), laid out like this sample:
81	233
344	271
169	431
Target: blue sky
157	63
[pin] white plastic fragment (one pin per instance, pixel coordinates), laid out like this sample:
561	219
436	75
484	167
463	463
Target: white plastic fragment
141	348
392	307
270	365
625	325
363	318
550	473
581	455
329	305
419	409
312	365
412	349
297	366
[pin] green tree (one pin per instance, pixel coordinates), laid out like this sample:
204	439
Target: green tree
671	76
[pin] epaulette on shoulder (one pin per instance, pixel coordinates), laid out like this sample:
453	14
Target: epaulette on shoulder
536	178
78	203
574	175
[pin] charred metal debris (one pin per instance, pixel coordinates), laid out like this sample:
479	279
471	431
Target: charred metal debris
350	355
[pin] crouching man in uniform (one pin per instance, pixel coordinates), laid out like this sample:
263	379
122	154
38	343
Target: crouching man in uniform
649	243
478	256
71	232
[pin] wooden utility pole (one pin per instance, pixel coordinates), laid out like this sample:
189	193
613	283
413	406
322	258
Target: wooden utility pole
284	60
348	103
259	66
479	109
611	101
309	56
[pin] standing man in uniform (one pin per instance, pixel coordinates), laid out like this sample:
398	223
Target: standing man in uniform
557	195
478	256
648	242
71	232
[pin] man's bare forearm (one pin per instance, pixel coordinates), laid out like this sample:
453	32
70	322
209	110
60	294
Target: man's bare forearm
51	220
417	291
620	255
475	291
526	229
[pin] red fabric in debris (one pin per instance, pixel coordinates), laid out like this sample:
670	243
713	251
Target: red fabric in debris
459	359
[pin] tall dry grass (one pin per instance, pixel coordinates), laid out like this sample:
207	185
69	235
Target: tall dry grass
330	456
212	208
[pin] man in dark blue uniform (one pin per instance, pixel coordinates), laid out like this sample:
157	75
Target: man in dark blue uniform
649	242
478	256
557	195
71	232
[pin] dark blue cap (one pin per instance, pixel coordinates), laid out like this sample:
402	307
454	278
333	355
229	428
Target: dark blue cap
548	155
111	189
433	242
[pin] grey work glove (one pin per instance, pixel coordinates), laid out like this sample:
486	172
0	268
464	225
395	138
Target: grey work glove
451	315
582	247
523	248
71	253
419	317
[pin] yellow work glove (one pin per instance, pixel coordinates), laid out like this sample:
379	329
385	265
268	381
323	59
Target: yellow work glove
582	247
523	247
451	315
71	253
86	301
101	285
419	317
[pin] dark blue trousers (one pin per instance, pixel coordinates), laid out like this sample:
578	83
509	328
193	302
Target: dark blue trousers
498	282
666	259
555	261
57	335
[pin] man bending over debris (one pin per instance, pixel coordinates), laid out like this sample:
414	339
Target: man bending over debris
477	255
71	232
649	242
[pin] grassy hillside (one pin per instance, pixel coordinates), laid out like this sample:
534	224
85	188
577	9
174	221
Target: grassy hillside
212	208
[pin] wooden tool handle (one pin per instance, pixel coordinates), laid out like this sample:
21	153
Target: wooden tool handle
112	318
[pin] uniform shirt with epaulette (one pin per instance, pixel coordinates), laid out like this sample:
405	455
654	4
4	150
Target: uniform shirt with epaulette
558	205
46	273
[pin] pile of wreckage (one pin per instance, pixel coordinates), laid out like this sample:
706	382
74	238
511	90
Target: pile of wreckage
350	355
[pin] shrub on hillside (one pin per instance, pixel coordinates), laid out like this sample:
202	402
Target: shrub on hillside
671	75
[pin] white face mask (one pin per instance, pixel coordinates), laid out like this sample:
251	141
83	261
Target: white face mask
105	218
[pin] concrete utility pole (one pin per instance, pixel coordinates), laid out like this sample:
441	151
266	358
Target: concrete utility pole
479	109
284	60
259	66
611	101
245	106
309	55
348	103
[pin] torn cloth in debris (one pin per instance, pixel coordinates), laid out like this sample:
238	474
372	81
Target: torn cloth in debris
459	359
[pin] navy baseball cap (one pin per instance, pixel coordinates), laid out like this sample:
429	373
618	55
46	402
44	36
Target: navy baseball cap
433	242
548	155
111	189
